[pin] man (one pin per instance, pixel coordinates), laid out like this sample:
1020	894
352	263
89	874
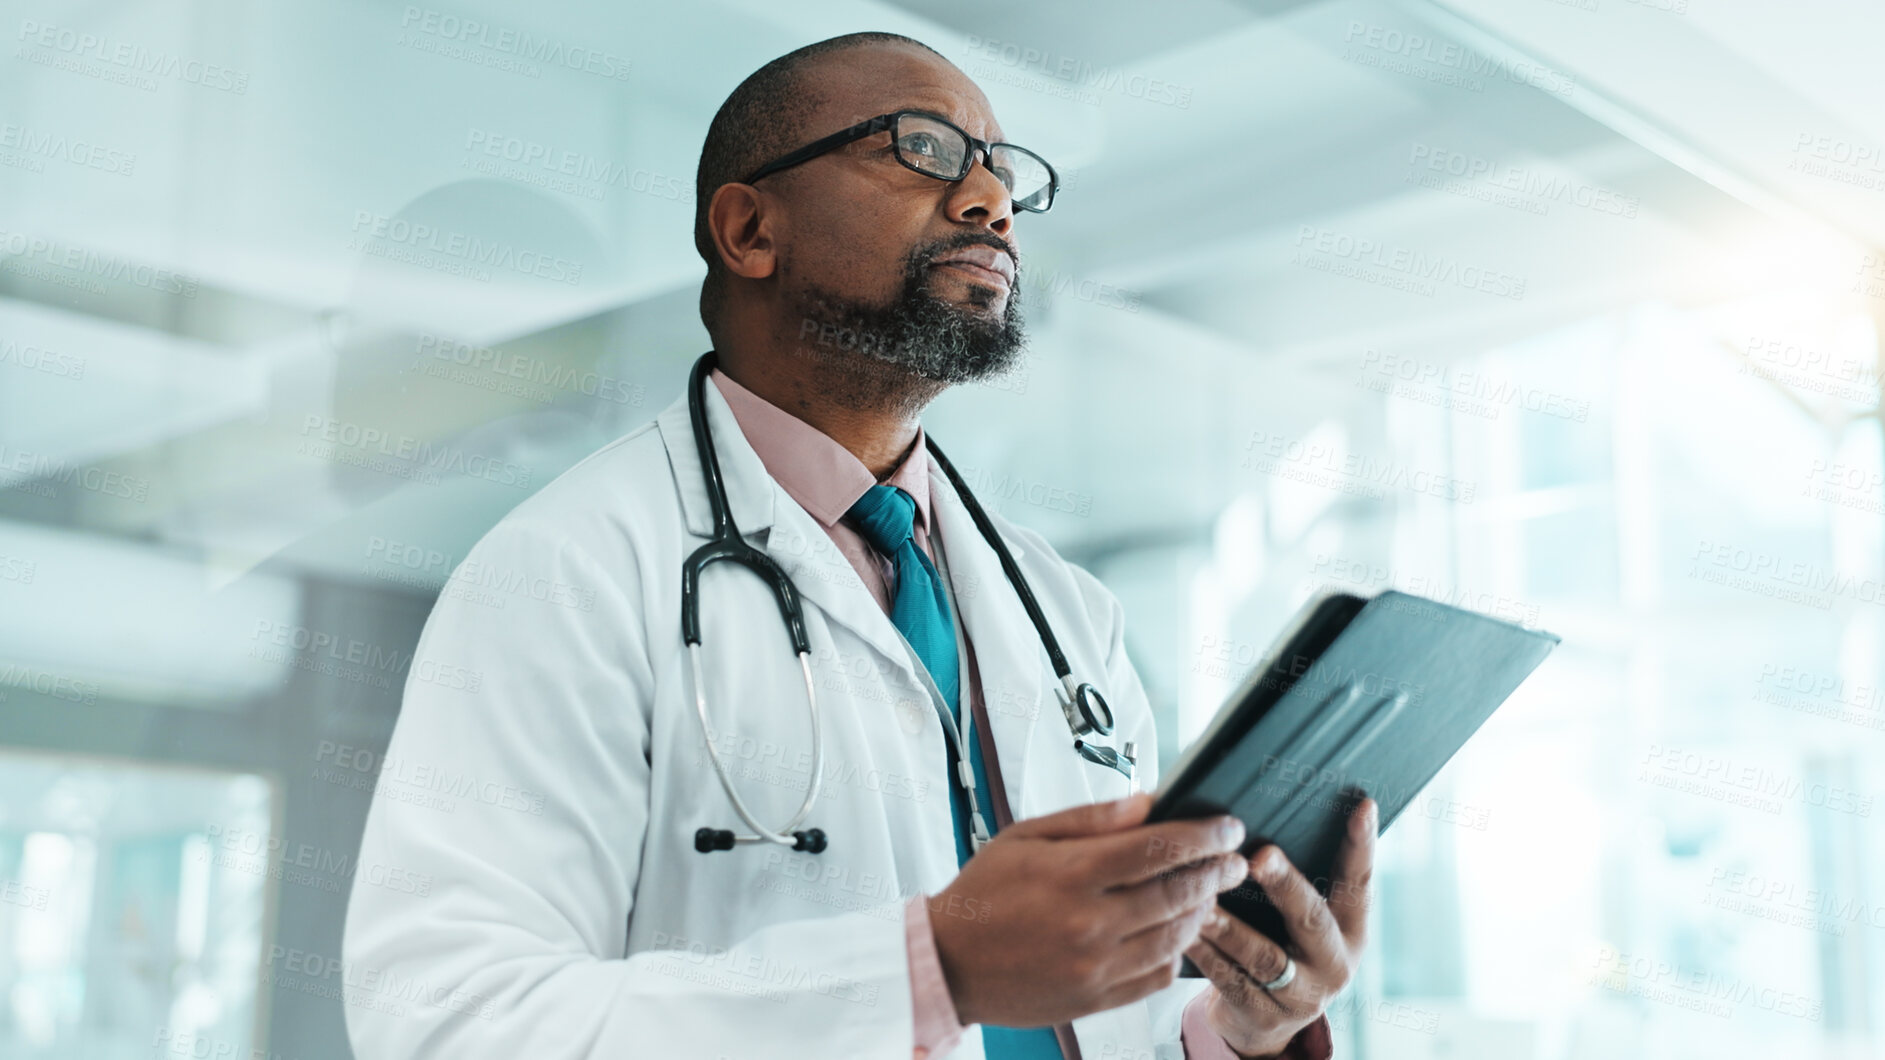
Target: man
847	286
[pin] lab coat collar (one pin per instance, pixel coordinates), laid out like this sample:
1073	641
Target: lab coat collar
750	490
1008	653
759	505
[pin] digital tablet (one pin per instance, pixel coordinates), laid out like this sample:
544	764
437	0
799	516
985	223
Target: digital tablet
1360	696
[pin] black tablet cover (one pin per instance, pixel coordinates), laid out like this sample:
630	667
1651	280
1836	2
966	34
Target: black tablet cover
1362	696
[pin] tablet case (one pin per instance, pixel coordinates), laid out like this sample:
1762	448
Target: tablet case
1362	696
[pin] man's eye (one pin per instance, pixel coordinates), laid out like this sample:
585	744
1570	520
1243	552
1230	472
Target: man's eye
921	143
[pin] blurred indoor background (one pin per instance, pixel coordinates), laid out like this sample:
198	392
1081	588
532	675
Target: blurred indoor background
1563	310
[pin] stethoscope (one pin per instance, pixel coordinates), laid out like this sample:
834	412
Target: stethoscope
1085	709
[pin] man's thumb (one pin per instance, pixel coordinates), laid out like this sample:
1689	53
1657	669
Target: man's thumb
1095	818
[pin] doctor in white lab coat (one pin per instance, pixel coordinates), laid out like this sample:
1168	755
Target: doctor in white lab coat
528	883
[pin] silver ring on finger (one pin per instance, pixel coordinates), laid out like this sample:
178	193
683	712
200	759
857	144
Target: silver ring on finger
1283	978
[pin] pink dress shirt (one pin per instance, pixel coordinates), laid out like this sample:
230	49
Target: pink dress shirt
825	479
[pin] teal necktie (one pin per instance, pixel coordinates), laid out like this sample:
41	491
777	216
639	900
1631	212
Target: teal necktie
920	610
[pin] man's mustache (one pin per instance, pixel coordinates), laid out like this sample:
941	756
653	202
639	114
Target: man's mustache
929	257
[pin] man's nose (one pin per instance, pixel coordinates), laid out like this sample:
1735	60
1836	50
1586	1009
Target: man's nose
980	197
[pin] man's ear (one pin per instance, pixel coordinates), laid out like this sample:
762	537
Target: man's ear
742	231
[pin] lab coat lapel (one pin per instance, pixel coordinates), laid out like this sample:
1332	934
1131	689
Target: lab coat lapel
759	505
1008	651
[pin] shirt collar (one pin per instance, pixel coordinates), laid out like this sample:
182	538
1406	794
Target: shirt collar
824	477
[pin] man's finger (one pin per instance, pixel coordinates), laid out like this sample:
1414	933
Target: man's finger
1096	818
1312	927
1173	892
1232	981
1142	853
1254	952
1354	871
1160	943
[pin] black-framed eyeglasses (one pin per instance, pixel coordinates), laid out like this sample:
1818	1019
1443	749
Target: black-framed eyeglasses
936	148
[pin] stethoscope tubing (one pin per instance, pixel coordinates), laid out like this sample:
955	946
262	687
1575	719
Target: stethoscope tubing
729	545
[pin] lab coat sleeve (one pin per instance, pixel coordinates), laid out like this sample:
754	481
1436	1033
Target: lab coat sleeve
1166	1008
514	803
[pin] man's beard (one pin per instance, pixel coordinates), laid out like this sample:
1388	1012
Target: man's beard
917	333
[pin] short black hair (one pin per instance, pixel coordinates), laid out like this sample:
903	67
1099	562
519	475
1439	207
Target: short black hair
763	118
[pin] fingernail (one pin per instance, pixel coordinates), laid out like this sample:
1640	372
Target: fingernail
1236	870
1270	864
1231	833
1218	922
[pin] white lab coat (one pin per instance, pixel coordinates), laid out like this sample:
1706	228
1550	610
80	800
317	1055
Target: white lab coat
527	885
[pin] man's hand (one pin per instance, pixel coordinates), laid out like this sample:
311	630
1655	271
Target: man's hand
1326	935
1087	909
